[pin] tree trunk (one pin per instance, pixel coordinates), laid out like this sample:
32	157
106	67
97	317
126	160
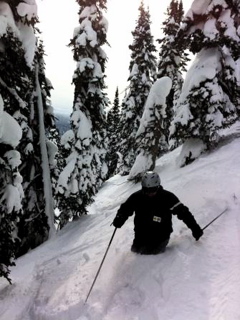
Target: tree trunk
49	207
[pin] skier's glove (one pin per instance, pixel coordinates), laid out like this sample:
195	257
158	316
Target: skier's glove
118	221
197	233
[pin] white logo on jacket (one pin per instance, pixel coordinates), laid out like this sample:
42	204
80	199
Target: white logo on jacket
157	219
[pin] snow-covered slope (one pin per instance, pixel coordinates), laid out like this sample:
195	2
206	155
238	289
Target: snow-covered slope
190	281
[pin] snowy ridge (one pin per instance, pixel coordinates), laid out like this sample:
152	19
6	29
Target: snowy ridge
191	280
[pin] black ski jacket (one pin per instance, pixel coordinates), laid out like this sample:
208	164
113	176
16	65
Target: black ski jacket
153	216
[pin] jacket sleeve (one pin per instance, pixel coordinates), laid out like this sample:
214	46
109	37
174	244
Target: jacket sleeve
126	210
183	213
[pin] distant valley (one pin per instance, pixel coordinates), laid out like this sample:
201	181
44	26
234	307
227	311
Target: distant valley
62	122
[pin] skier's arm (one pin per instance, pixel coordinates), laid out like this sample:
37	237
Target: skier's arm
186	216
126	210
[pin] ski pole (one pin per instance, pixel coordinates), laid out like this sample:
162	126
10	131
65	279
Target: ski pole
101	264
215	218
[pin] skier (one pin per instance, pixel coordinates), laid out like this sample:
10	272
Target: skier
153	207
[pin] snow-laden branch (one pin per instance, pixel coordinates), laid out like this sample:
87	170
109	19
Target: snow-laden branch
13	92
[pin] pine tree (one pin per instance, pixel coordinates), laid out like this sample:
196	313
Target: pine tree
86	167
151	138
172	58
11	192
113	119
142	70
37	222
210	95
22	71
15	83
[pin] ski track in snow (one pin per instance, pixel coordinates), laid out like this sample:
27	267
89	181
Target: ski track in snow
190	281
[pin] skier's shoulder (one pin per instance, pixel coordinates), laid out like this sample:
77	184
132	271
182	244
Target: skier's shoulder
168	195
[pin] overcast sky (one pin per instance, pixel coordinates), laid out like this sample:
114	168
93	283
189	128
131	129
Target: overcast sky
57	22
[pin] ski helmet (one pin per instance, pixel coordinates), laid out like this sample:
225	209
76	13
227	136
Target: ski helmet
150	179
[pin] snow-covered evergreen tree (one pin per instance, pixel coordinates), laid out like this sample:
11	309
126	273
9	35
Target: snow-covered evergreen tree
16	85
23	86
151	137
113	119
172	58
11	192
142	70
210	94
38	218
86	167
